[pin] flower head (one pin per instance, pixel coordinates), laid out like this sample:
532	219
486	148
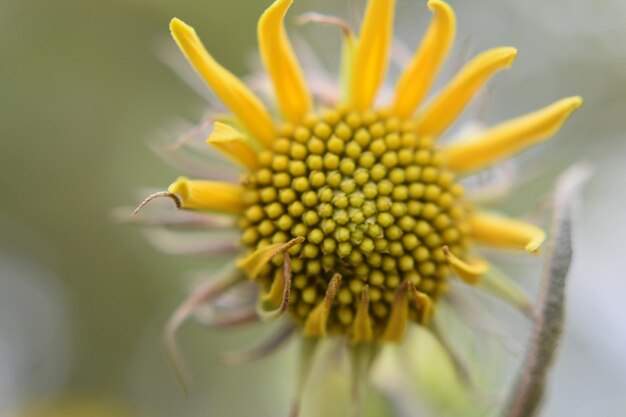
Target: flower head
353	217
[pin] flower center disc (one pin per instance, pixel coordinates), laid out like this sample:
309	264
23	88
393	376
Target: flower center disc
373	203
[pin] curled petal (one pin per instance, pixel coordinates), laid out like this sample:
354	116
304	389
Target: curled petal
501	232
450	102
281	63
208	195
254	262
154	196
372	53
233	93
506	139
423	303
399	317
234	145
276	301
315	325
470	272
421	72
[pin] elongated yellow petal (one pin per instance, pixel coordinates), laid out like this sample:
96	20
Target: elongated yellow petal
372	54
233	93
315	325
253	263
208	195
469	271
348	55
362	330
498	231
281	63
506	139
450	102
275	302
423	303
399	316
419	75
234	145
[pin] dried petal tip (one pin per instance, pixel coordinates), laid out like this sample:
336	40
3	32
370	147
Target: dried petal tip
159	194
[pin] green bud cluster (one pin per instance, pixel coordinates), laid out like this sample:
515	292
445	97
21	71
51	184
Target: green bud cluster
373	203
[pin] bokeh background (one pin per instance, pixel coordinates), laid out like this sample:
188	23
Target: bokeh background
83	299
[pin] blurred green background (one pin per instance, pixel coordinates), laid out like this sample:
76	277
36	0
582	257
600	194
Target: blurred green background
83	299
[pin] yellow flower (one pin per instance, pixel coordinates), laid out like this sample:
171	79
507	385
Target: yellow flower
353	217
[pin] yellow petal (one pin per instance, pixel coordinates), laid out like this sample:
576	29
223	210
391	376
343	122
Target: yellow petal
208	195
506	139
399	316
450	102
233	93
423	302
315	325
498	231
362	330
234	145
348	55
275	302
253	263
419	75
470	271
372	54
281	63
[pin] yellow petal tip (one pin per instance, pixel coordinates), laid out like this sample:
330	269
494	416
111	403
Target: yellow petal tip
177	26
574	102
437	4
180	187
534	245
508	54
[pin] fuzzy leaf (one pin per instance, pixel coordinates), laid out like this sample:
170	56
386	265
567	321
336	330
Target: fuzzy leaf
527	396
